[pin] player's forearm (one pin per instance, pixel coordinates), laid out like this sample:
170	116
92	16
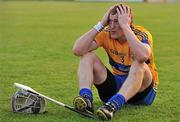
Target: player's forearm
140	52
83	43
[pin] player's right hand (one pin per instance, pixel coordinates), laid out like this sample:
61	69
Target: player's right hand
124	15
105	18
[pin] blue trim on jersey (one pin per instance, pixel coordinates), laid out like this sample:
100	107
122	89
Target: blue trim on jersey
145	41
118	66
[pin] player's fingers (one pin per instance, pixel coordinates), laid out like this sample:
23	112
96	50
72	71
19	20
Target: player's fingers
123	9
130	10
127	9
118	11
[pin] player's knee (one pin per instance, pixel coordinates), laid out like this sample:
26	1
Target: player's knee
88	57
137	68
135	63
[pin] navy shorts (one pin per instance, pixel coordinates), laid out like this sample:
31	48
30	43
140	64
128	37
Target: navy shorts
113	83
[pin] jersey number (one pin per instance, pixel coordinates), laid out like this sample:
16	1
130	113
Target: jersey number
122	59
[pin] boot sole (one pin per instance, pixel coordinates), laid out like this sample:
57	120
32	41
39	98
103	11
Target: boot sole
101	115
80	104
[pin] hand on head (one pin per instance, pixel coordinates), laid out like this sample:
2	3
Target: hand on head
124	15
105	18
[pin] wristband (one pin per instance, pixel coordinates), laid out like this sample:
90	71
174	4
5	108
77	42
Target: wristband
98	27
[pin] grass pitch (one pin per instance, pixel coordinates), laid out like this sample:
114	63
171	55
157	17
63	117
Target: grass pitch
36	40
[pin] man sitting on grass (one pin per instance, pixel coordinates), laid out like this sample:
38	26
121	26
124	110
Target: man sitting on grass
130	50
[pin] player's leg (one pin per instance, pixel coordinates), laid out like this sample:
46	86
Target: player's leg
146	93
91	71
139	78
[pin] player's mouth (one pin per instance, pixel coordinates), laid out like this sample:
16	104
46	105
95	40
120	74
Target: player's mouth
113	32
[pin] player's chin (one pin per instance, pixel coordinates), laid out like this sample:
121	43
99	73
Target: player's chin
114	36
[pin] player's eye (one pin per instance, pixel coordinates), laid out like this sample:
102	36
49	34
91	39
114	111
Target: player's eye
110	21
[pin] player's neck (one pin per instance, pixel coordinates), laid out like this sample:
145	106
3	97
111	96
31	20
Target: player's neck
122	40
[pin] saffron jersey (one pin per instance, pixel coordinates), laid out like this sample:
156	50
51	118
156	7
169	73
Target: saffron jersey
120	55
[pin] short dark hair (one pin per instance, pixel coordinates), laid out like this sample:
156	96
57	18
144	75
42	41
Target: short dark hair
114	11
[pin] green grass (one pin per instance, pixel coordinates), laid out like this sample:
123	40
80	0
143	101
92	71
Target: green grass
36	39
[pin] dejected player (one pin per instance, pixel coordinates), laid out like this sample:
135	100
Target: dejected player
134	76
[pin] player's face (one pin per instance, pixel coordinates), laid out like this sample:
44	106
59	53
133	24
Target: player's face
115	30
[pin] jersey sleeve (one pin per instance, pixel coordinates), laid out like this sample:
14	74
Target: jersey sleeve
100	38
145	37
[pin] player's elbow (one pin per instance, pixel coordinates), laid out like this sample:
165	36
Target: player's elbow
77	51
143	57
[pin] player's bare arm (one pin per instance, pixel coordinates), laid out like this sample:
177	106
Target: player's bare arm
141	52
86	42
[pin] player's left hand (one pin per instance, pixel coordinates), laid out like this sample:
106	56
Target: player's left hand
124	15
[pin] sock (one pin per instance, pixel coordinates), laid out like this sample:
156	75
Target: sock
118	101
87	92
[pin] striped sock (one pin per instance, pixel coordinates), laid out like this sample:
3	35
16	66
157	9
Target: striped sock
118	101
86	92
